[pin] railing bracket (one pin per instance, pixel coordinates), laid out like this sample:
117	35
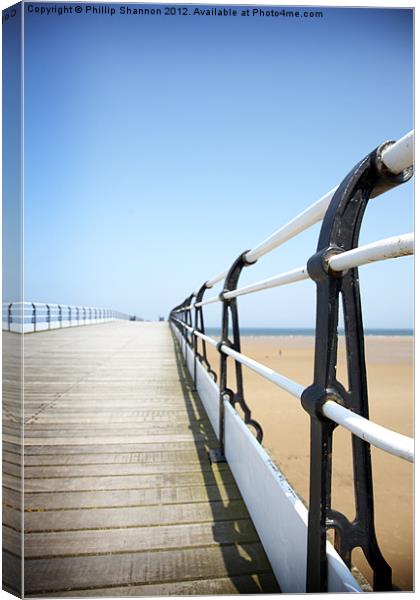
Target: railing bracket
216	456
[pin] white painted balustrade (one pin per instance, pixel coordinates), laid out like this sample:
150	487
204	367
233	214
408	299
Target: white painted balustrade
29	317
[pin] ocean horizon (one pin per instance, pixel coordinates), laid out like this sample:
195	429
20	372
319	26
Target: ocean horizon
308	331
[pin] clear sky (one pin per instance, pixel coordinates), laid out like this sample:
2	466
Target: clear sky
157	148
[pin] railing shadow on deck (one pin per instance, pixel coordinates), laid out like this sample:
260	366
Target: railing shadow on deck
237	557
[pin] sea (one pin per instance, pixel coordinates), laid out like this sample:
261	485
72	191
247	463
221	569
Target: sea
297	331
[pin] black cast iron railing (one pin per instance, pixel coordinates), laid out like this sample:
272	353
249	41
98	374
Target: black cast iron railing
334	269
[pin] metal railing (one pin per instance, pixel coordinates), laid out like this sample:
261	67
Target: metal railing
27	317
334	269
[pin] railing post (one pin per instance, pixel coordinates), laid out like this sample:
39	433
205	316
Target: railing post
199	326
60	315
188	321
69	317
184	332
48	315
230	319
9	316
78	315
339	233
34	315
194	348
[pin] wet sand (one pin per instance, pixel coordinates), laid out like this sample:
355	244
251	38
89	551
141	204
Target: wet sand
286	434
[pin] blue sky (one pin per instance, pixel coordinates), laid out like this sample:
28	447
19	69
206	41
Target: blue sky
158	148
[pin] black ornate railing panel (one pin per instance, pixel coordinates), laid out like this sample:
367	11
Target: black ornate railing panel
339	233
342	219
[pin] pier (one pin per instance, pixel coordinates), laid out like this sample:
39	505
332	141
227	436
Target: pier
120	496
145	472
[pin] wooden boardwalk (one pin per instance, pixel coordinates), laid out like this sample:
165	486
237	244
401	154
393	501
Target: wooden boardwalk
120	498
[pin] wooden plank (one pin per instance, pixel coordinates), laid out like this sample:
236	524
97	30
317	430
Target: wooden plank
68	543
12	498
150	445
12	448
56	420
156	410
12	517
12	482
123	439
125	482
111	469
68	520
58	574
109	432
12	573
263	583
147	496
192	456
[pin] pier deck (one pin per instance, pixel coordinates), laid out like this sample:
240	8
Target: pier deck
120	497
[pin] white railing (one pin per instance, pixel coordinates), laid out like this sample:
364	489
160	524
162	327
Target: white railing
380	437
394	157
333	268
28	317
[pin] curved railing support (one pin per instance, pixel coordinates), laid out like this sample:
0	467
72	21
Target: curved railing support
230	319
199	326
340	233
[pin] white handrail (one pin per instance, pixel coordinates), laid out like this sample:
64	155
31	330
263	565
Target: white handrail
206	338
400	155
396	158
381	437
207	301
392	247
295	389
285	278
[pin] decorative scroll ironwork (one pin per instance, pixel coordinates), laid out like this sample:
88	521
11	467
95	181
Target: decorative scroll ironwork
339	233
230	319
199	326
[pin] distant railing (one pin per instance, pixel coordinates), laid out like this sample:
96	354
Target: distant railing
334	270
28	317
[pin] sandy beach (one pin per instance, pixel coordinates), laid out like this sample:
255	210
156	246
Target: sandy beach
286	434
